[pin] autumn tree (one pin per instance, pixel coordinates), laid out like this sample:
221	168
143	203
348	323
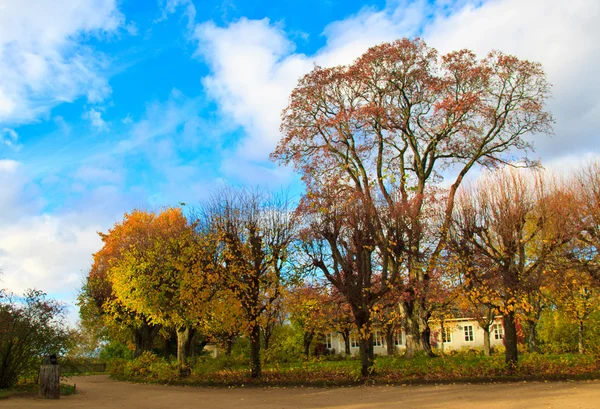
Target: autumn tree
477	302
337	238
574	294
507	227
274	317
223	322
255	231
99	309
308	308
401	127
168	277
586	251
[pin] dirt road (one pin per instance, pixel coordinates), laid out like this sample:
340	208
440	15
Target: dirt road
97	392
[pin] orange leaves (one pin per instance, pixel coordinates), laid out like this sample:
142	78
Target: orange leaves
155	266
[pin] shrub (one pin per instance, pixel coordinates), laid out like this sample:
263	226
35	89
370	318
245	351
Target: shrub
147	367
286	346
31	327
558	334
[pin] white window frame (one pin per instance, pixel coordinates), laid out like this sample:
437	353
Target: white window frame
377	339
469	333
498	330
354	342
398	339
447	335
329	341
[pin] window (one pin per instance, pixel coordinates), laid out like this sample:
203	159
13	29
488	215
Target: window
398	339
498	331
446	335
353	340
329	341
468	333
377	339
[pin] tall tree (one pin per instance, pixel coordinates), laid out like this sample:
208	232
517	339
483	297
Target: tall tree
389	124
255	230
168	276
99	308
574	294
508	226
586	251
337	237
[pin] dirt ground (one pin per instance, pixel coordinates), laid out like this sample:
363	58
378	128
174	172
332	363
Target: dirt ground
101	392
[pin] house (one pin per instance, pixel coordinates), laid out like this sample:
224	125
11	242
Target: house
459	333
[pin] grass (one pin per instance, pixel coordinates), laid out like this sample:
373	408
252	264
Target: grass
31	389
465	367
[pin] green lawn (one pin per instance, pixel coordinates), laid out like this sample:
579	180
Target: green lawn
32	389
465	367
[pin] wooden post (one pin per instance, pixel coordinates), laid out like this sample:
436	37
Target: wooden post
50	379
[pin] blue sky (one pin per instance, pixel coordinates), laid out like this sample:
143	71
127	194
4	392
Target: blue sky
109	105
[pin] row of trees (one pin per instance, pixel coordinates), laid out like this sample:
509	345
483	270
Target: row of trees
221	273
383	146
520	243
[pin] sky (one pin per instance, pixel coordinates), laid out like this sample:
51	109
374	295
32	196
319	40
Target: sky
111	105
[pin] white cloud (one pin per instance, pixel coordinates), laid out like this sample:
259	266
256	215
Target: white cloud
253	70
254	65
43	61
8	137
561	35
46	252
170	6
94	115
51	250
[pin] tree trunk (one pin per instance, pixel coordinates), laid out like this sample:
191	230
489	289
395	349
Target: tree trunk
346	336
442	335
229	345
580	338
183	340
510	340
532	337
267	334
190	345
389	341
362	320
308	337
256	370
416	328
144	338
50	381
425	335
413	337
487	350
367	357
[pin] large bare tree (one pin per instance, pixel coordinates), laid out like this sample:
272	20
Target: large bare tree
256	230
401	127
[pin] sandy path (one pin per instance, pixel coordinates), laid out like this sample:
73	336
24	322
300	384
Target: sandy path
101	392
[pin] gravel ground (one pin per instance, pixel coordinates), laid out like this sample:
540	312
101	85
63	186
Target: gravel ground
95	392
